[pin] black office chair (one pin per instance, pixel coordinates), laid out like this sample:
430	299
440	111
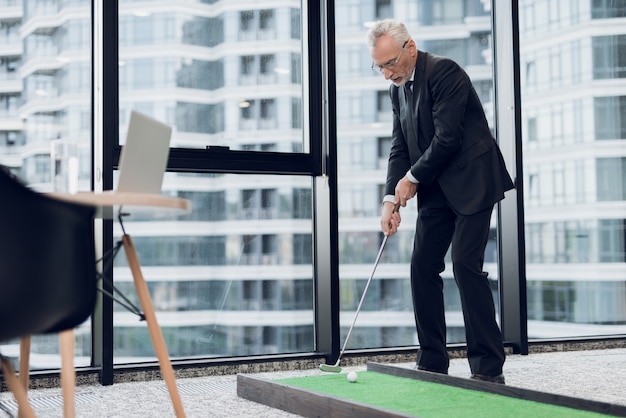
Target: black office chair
47	276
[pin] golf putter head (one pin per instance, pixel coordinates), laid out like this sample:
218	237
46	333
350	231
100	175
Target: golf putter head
330	368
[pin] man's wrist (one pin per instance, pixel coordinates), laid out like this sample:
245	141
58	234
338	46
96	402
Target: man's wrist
389	198
411	177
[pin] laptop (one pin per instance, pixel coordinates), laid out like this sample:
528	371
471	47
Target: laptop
144	155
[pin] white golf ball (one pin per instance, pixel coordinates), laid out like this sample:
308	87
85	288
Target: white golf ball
352	376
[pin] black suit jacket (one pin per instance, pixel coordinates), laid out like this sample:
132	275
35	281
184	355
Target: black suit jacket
443	137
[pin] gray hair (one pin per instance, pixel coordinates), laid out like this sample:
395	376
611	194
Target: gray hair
393	28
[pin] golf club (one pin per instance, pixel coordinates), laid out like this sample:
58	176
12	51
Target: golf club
334	368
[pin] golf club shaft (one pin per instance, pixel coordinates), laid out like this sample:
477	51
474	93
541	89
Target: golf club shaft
358	309
335	368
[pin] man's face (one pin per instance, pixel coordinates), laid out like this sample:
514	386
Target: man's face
395	62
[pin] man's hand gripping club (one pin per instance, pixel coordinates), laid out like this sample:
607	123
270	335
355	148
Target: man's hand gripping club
390	218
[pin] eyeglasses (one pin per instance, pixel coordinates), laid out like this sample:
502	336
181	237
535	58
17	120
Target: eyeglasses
389	64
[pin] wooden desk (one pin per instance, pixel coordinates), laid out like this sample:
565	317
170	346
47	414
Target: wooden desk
108	204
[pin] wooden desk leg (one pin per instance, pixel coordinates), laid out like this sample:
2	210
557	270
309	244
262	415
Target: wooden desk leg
153	327
16	387
25	362
68	373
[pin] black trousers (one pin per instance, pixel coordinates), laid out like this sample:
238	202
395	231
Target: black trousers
437	227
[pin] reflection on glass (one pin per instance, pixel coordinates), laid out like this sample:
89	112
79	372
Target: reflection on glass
364	119
232	278
45	117
574	127
219	73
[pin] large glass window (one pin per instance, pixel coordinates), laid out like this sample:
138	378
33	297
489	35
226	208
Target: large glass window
574	166
234	277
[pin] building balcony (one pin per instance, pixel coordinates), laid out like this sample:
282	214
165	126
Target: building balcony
10	83
11	122
10	47
41	60
11	10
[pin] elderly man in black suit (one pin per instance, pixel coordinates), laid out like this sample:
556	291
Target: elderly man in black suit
442	151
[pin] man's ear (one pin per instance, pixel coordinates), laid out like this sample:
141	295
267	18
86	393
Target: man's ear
412	47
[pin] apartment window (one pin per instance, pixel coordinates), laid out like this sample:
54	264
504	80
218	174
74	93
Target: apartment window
302	200
257	24
302	248
384	147
391	291
610	117
533	188
267	64
557	124
384	9
604	9
249	250
266	19
611	237
37	168
143	31
558	183
271	301
296	121
208	206
269	204
197	118
383	107
247	115
269	249
270	340
441	12
296	26
143	73
611	179
248	64
249	203
268	111
296	69
609	59
534	243
251	295
457	49
551	301
246	21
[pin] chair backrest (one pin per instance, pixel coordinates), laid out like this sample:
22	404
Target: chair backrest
47	262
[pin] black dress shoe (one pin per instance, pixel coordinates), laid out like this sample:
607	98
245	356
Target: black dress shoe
493	379
426	369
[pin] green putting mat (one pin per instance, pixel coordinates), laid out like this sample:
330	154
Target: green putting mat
426	399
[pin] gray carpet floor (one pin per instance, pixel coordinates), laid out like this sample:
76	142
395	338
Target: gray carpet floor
594	374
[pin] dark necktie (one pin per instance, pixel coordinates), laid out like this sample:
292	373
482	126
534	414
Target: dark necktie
408	91
408	96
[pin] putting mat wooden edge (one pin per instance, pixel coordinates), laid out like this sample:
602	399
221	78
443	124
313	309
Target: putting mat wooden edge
511	391
306	403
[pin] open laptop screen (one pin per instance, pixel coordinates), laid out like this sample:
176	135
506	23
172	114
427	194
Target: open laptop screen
144	155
